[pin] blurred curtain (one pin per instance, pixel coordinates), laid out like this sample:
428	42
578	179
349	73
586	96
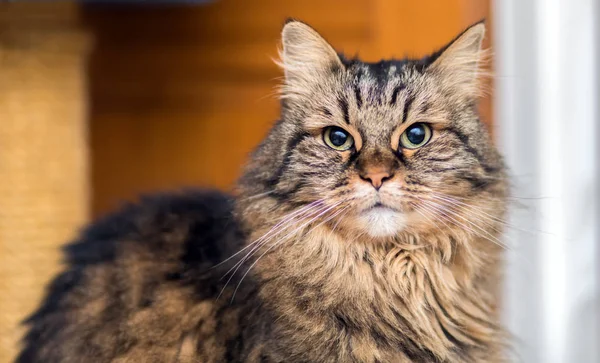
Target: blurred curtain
43	154
546	103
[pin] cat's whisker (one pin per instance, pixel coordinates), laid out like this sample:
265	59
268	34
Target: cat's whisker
320	212
424	215
497	242
280	227
442	211
482	214
256	196
432	213
284	220
478	197
283	225
283	239
488	236
434	210
462	201
453	200
448	213
514	197
486	218
338	222
336	213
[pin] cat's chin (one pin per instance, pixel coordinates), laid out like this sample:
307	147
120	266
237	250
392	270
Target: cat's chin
381	222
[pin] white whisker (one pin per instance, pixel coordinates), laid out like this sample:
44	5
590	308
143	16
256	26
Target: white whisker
274	231
281	241
284	220
482	214
490	237
265	239
256	196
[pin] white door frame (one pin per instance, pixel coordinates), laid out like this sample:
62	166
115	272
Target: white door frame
546	115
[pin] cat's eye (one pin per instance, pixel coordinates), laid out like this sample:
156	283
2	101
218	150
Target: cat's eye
415	136
337	138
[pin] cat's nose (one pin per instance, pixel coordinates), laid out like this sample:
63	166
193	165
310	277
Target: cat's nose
376	176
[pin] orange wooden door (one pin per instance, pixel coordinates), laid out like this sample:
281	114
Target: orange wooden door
180	95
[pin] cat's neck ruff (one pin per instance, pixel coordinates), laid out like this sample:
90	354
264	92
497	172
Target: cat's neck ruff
410	287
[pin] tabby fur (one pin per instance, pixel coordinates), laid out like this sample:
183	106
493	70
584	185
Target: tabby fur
309	262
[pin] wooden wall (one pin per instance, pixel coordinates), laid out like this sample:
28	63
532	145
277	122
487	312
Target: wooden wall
180	95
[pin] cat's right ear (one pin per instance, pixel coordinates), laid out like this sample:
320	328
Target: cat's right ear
306	56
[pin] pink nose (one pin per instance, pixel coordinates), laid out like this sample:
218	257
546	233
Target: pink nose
376	176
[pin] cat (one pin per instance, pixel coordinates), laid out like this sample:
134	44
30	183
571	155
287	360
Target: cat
365	228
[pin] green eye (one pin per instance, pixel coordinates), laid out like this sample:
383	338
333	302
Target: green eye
337	138
415	136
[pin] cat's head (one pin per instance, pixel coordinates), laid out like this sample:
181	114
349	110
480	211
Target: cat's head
376	149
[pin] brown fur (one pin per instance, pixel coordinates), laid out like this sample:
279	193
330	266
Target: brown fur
319	272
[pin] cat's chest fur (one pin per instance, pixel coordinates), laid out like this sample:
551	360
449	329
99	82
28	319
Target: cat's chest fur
331	299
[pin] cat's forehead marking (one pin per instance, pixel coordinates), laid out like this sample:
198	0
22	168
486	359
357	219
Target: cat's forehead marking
383	98
379	83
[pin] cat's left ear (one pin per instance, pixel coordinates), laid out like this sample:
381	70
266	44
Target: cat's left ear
460	61
306	56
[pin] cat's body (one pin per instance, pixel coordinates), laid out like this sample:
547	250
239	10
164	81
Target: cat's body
364	243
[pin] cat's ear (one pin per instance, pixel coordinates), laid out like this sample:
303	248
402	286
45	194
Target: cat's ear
460	61
305	56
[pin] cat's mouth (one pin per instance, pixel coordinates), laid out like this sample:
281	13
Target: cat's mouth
382	207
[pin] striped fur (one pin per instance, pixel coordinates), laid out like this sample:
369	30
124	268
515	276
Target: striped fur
310	262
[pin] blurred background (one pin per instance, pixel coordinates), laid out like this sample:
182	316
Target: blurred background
102	101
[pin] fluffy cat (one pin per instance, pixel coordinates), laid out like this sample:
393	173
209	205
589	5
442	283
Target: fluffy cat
365	229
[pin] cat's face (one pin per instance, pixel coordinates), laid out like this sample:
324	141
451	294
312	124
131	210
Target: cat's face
381	148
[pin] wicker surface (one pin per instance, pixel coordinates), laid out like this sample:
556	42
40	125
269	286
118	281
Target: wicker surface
43	167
